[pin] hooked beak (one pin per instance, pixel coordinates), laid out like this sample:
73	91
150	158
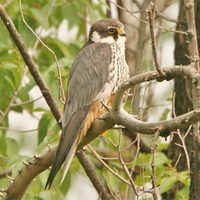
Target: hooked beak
122	32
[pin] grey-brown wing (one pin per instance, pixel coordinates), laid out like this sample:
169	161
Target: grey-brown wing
88	74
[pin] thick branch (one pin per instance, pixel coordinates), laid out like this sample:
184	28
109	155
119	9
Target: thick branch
93	177
192	35
194	55
169	73
31	169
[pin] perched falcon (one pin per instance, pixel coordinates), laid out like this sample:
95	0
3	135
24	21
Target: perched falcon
94	77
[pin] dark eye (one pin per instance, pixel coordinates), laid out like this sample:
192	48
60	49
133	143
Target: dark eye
112	30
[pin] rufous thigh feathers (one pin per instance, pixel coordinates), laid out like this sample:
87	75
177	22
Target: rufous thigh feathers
95	110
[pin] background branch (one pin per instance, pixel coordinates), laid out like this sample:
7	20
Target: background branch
151	13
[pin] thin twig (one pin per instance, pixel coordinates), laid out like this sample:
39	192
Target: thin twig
45	21
13	98
139	71
192	35
184	148
146	22
7	3
153	174
107	167
182	138
134	161
151	13
137	3
159	14
27	102
48	48
110	190
174	167
13	130
125	166
187	132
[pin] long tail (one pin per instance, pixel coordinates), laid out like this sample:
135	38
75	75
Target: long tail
68	161
67	146
72	133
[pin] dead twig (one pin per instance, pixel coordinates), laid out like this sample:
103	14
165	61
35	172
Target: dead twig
151	13
134	160
153	175
107	167
146	22
124	165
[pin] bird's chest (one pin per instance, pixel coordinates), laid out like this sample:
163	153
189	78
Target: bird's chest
118	72
118	69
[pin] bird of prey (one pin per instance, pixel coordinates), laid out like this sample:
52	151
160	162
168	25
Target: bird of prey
94	77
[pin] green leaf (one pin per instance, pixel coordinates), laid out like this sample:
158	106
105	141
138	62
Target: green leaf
12	147
164	115
168	184
66	184
43	127
184	193
3	149
70	12
161	159
184	177
10	82
39	15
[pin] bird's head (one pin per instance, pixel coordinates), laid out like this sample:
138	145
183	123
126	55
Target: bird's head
107	31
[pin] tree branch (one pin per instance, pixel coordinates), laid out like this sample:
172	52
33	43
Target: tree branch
192	35
151	13
93	176
169	73
35	166
194	54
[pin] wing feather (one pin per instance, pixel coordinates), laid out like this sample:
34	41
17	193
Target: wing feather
88	74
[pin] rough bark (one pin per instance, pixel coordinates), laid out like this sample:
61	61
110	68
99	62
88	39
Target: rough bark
195	152
183	103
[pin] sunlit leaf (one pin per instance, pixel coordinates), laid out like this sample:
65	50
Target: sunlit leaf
168	183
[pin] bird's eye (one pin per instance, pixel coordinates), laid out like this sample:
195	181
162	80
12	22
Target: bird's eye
112	30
